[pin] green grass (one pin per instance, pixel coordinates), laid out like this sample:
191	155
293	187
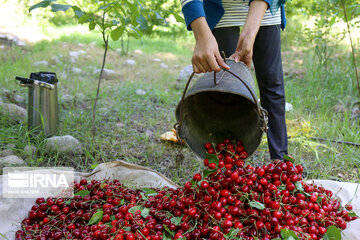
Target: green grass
129	125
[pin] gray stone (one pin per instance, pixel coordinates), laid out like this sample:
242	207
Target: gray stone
163	65
6	152
11	160
76	70
13	97
186	72
41	63
130	62
156	60
288	107
10	146
16	114
339	108
149	133
30	150
355	112
67	99
63	145
107	73
56	59
138	51
140	92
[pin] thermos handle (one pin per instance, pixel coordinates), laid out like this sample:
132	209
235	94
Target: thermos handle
34	81
262	112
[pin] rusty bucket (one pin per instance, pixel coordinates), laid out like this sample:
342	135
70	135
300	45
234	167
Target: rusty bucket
221	105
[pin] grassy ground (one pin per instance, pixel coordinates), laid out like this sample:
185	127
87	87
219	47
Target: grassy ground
129	125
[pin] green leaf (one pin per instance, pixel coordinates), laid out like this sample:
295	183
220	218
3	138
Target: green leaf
60	7
166	237
176	220
83	193
352	214
2	235
257	205
128	229
178	18
133	8
289	158
233	232
84	18
97	217
42	4
143	22
212	158
145	212
134	209
117	33
93	166
299	186
207	172
281	187
288	234
277	239
108	225
167	229
332	233
149	191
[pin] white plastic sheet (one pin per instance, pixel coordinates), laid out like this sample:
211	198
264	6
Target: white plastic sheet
12	211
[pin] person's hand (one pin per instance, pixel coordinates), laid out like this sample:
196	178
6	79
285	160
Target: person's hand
244	50
206	56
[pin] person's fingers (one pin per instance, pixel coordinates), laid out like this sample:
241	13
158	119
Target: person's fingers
195	69
204	63
220	62
199	67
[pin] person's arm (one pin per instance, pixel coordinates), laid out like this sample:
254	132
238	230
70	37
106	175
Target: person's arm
206	56
244	49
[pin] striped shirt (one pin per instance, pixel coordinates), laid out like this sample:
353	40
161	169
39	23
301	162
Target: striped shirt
236	12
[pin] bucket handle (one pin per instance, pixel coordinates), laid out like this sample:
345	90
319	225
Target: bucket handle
262	112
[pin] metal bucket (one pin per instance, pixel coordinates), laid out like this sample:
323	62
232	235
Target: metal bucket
43	109
221	105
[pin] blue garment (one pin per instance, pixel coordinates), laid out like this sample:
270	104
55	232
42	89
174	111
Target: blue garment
213	11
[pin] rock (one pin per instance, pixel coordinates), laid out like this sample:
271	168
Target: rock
156	60
163	65
140	92
30	150
80	44
19	43
6	152
56	59
355	112
74	55
40	63
63	145
11	161
186	72
13	97
107	73
10	146
130	62
16	114
2	46
67	99
76	70
339	108
149	133
288	107
138	51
